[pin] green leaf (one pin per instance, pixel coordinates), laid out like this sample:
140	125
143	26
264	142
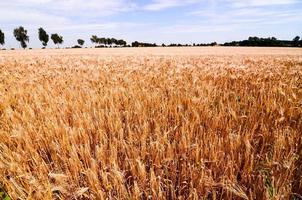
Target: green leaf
4	196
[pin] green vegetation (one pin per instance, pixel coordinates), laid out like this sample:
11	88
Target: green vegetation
105	42
57	39
266	42
3	194
142	44
43	37
2	38
21	36
81	42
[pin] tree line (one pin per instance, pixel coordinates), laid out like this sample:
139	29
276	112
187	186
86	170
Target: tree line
266	42
104	42
21	36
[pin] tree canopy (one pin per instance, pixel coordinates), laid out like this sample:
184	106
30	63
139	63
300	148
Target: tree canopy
21	35
43	37
94	39
2	38
103	42
57	39
265	42
143	44
296	41
81	42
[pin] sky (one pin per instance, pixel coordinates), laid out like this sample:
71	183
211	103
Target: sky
160	21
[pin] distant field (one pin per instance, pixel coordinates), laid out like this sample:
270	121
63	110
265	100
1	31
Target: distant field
161	51
160	123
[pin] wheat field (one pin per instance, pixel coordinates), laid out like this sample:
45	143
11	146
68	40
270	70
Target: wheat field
157	123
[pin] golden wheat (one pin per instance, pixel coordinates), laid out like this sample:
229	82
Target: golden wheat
83	126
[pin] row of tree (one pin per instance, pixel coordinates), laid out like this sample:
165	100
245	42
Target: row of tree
21	36
104	42
251	42
143	44
266	42
189	45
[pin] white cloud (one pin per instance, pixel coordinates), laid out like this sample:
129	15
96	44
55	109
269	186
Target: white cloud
195	28
73	7
29	17
249	13
164	4
245	3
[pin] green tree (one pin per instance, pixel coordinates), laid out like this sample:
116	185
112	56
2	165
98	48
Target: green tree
43	37
296	41
102	41
122	43
94	39
2	38
57	39
114	41
135	44
108	41
81	42
21	36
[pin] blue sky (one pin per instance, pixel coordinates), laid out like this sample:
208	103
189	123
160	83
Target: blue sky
160	21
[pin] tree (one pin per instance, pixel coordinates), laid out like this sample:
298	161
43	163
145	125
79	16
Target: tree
21	36
114	41
57	39
43	37
135	44
121	43
296	41
94	39
108	41
81	42
2	38
102	41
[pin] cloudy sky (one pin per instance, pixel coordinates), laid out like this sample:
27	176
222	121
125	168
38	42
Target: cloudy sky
168	21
